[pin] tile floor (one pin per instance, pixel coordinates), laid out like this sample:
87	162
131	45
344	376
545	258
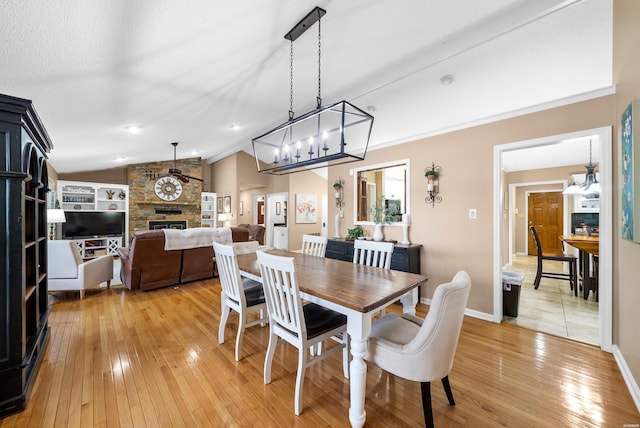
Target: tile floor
553	308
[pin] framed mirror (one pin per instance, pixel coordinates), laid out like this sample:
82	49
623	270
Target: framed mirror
385	184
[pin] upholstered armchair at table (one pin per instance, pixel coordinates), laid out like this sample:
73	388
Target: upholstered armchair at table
68	272
423	350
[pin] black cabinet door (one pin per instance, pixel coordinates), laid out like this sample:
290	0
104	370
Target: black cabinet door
405	258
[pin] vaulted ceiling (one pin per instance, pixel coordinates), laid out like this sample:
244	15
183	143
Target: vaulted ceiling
189	71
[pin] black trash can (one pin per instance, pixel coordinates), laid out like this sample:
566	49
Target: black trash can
511	285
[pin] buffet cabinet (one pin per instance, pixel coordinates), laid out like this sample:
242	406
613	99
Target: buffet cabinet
405	257
24	309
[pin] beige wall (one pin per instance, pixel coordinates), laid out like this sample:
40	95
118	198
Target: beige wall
306	183
113	175
626	254
451	241
226	183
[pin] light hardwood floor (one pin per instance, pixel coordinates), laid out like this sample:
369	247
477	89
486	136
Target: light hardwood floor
151	359
553	308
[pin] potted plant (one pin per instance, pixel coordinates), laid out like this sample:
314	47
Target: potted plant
431	174
355	233
381	215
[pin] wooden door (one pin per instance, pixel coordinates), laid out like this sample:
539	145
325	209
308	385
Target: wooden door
260	212
545	214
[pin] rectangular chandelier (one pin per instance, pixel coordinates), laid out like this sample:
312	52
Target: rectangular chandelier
329	135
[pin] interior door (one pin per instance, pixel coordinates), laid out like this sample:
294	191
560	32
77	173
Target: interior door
545	214
260	212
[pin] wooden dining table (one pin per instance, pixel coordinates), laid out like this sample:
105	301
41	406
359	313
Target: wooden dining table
354	290
588	246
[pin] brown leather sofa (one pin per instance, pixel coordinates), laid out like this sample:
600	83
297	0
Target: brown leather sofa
146	265
256	232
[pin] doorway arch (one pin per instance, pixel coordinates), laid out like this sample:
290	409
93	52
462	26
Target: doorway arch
606	223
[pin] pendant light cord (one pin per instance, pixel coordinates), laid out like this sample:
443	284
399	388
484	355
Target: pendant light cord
319	98
291	82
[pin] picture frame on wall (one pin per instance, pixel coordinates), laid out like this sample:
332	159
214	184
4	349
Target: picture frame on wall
241	208
227	204
219	205
306	208
630	173
278	208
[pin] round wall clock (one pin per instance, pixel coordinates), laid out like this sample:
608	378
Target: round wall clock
168	188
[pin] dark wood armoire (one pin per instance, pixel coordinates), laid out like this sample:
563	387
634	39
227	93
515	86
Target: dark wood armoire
24	308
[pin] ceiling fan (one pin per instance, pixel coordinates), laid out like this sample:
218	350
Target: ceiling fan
176	172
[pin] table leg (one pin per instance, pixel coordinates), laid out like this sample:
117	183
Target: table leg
359	329
358	380
409	302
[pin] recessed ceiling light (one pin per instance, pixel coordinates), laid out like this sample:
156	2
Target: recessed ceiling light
235	127
371	109
447	79
133	129
119	159
194	152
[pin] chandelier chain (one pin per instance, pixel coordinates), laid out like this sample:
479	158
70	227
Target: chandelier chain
319	100
291	81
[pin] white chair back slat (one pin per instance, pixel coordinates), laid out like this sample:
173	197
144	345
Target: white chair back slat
372	253
314	245
282	293
228	271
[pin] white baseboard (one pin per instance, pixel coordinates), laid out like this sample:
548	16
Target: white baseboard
632	385
472	313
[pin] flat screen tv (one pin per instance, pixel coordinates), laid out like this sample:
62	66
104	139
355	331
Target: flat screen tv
89	224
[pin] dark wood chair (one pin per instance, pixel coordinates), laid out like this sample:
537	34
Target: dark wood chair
572	276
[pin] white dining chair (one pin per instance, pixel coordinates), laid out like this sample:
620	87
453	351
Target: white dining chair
241	295
423	350
372	253
300	325
314	245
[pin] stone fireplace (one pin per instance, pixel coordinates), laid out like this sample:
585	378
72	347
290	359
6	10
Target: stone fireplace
147	209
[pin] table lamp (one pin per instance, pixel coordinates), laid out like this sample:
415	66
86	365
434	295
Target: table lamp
54	216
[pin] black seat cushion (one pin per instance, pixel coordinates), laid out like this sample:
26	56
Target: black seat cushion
320	320
254	296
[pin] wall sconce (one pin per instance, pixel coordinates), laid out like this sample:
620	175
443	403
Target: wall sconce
338	186
433	184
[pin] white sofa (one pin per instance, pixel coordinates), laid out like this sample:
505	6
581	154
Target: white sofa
68	272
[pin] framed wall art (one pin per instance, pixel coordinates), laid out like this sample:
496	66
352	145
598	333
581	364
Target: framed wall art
630	174
227	204
278	208
306	208
219	205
